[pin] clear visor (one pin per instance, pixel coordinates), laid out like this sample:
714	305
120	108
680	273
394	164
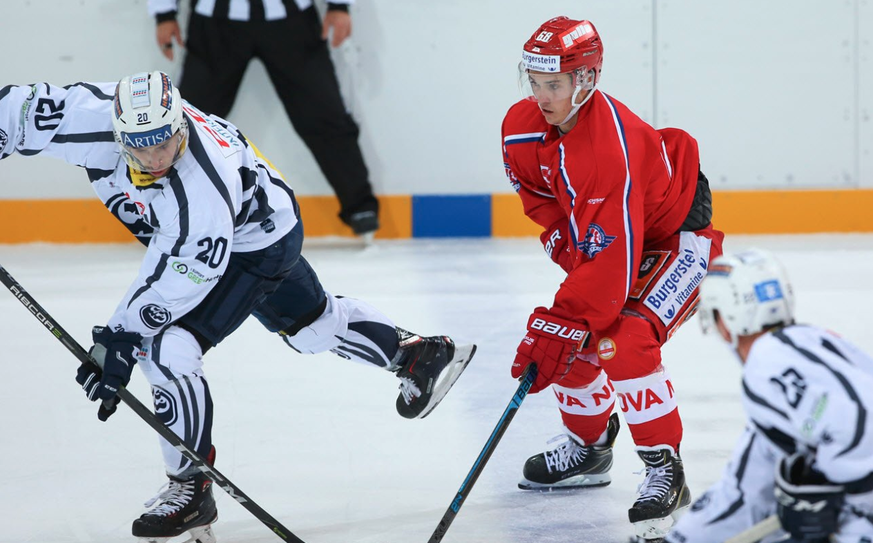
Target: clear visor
552	87
707	319
158	158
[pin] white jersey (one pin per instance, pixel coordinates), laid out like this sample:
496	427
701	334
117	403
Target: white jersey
804	389
222	196
807	388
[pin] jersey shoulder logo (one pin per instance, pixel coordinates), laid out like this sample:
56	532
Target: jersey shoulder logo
595	241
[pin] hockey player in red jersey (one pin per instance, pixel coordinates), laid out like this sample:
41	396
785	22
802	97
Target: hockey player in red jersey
625	211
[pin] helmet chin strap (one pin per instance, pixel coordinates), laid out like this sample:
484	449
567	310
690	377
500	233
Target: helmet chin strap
576	106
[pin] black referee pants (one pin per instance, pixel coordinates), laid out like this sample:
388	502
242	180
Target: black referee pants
299	65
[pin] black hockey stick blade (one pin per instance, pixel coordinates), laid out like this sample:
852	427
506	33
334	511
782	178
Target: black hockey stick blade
527	381
145	414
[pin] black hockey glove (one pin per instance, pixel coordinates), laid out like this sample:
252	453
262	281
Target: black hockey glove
89	377
807	504
116	353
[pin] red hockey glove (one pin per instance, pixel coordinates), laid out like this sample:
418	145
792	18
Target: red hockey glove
551	342
555	242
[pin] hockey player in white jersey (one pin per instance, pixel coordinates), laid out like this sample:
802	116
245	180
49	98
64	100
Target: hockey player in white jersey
807	452
223	237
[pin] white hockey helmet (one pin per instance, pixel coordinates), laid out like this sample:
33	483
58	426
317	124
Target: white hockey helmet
147	116
749	290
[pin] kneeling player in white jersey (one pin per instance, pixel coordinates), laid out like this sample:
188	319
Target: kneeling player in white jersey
806	452
224	235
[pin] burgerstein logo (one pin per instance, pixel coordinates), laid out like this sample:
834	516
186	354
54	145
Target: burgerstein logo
154	316
541	63
677	285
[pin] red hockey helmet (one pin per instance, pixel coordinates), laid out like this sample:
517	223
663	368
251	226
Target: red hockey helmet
562	45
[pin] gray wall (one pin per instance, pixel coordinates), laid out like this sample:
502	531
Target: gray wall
778	92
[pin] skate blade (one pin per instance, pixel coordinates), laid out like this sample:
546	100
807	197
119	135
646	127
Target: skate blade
200	534
448	377
578	481
656	529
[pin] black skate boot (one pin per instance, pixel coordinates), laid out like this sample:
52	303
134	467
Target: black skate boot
572	465
184	506
663	494
427	368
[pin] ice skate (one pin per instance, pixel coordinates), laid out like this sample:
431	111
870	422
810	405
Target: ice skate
182	508
572	465
663	495
427	368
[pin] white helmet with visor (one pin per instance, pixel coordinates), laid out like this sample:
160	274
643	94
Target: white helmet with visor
148	122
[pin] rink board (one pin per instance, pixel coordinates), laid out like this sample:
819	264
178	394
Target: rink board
469	215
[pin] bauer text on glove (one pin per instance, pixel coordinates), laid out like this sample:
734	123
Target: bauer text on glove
551	343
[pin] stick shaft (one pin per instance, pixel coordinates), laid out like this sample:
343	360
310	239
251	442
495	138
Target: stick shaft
449	516
757	532
144	413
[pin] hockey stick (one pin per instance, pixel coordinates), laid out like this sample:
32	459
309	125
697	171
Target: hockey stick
526	381
757	532
130	400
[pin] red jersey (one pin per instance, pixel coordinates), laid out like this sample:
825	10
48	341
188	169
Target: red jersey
620	184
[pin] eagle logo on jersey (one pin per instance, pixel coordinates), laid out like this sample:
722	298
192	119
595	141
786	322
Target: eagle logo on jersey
4	139
154	316
595	241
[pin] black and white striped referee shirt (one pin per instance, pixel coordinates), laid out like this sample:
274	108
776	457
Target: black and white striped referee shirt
240	10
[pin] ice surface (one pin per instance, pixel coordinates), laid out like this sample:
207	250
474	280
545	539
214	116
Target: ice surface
316	440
